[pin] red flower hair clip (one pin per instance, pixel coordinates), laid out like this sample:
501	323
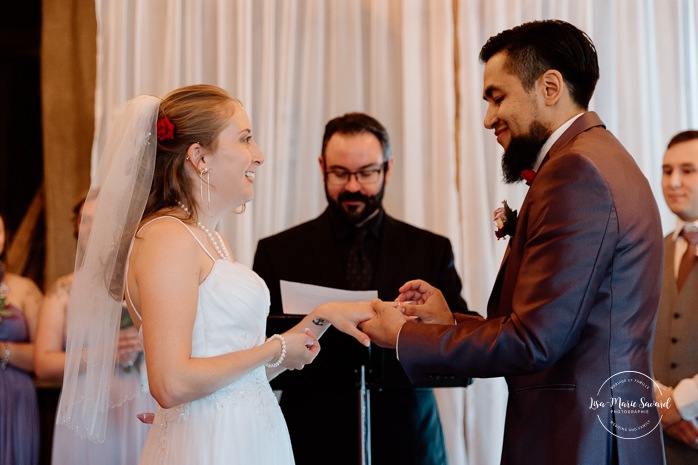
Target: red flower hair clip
165	129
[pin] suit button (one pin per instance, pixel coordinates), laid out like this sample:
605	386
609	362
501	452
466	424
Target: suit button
673	365
674	340
677	316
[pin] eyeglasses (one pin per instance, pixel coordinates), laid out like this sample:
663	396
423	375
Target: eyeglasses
340	177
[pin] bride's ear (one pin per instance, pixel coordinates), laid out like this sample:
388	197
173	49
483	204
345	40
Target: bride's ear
195	157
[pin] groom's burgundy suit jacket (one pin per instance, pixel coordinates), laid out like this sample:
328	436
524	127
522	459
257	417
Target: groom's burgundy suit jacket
573	307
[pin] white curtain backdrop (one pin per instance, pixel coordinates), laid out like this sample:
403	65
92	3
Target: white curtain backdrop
414	65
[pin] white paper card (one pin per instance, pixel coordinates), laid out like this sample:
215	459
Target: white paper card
301	299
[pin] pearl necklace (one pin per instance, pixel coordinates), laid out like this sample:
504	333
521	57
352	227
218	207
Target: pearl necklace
217	241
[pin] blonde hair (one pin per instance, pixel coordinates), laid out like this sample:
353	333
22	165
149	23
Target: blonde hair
199	114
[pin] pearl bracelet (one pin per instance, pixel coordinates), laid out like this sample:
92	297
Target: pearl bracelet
281	358
5	357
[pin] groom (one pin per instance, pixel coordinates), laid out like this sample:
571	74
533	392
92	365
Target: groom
571	317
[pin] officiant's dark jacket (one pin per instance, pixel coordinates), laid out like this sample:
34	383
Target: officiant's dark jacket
320	402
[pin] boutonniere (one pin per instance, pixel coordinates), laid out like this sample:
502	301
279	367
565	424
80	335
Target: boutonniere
505	219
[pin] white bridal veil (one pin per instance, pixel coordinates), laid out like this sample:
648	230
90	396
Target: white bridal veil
120	190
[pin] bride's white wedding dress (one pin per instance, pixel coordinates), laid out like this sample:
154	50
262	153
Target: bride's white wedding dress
241	423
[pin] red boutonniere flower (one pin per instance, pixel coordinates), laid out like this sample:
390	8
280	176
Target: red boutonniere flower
165	129
505	219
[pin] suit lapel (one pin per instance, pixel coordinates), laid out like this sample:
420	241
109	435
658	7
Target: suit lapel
669	263
495	295
585	122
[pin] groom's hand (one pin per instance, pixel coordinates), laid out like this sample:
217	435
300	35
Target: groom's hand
429	306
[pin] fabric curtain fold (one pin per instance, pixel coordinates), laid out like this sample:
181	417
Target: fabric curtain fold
68	67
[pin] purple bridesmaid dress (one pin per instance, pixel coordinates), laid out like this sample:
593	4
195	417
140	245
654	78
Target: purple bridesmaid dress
19	412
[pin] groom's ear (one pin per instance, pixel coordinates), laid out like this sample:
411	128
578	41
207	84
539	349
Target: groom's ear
552	86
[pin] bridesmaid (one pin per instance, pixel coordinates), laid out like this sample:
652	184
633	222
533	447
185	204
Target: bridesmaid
20	300
125	434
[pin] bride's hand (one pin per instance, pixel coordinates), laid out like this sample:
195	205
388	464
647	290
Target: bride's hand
346	316
301	349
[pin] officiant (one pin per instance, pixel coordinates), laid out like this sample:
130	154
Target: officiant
354	244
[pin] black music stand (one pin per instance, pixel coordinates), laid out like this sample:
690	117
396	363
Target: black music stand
354	368
348	363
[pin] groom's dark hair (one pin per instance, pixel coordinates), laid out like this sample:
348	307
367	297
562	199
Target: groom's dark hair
538	46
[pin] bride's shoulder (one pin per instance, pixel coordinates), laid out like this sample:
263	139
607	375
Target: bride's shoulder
165	231
162	221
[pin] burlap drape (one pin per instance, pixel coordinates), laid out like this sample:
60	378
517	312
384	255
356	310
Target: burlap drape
68	73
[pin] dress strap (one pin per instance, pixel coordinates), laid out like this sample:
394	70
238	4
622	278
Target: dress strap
130	301
203	247
128	259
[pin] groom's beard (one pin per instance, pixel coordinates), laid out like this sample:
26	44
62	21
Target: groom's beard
523	152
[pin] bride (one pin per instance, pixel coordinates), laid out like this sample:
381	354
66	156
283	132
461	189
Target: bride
171	170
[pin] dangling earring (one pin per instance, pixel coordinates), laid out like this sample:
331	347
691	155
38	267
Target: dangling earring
241	210
207	172
208	186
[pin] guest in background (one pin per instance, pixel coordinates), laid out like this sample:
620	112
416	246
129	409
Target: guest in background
354	244
125	434
20	301
676	336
